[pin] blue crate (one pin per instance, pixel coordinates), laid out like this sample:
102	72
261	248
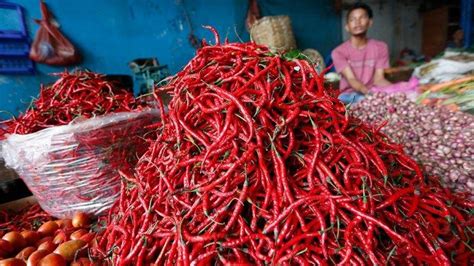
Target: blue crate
14	41
14	47
16	65
12	22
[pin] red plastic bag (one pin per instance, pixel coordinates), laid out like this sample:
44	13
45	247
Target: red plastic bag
50	46
253	14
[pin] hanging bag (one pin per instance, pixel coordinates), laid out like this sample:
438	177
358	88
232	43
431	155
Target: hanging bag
50	46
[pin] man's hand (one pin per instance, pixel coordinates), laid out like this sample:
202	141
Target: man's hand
379	78
363	89
353	81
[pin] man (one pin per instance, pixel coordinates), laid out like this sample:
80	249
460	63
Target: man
457	38
360	60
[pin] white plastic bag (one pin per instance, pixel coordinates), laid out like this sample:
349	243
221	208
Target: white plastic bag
445	69
75	167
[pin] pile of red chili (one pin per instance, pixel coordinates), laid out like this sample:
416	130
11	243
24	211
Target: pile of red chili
256	164
28	218
80	94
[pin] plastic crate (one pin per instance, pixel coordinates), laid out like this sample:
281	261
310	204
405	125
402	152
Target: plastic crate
12	25
16	65
14	47
14	41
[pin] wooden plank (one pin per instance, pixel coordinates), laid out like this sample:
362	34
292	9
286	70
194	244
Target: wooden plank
18	204
435	31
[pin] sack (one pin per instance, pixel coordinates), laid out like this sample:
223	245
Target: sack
399	87
77	167
451	66
50	46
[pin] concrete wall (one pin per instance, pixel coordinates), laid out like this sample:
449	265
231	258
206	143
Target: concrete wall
110	33
408	27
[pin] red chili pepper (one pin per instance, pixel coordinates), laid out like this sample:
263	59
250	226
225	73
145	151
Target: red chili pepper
257	163
394	197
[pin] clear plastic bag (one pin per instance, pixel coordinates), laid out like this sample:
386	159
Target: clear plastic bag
76	167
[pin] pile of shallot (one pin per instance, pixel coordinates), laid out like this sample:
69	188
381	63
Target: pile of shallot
441	140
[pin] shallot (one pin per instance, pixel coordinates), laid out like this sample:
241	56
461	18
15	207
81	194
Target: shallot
440	139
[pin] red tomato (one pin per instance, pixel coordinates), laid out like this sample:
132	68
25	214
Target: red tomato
48	228
83	262
78	234
64	223
61	237
12	262
25	253
36	256
69	249
6	246
52	259
80	219
16	239
48	245
44	239
31	237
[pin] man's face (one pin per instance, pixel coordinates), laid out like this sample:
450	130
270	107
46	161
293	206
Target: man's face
358	22
458	35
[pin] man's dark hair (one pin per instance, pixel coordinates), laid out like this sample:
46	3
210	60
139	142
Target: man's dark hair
361	5
452	30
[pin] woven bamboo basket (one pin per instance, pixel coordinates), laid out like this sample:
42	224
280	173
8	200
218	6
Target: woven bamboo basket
274	32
